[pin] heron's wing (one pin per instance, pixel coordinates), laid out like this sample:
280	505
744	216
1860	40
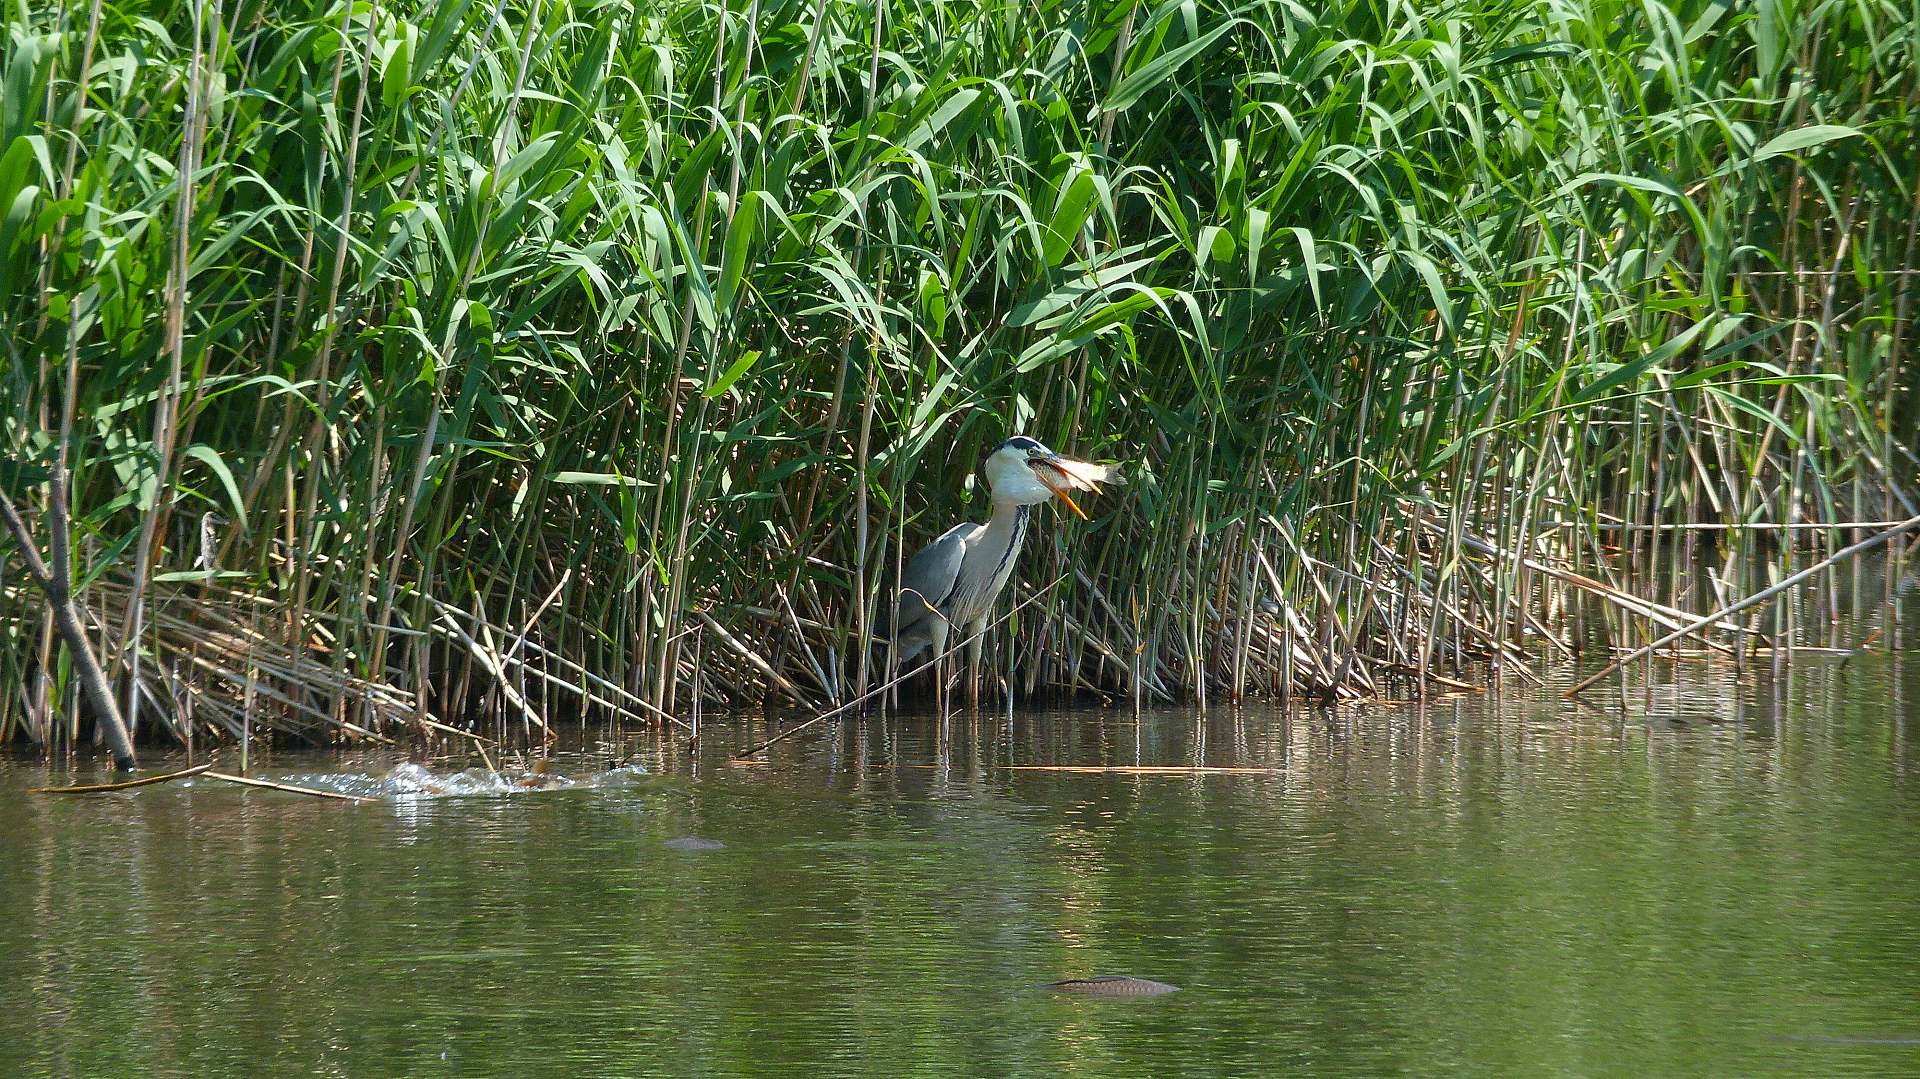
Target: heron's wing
927	581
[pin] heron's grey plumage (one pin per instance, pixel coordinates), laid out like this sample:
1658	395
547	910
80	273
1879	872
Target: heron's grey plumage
925	584
954	580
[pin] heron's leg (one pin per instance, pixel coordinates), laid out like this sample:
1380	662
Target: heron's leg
939	632
976	640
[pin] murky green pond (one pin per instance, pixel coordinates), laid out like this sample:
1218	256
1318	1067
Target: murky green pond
1722	879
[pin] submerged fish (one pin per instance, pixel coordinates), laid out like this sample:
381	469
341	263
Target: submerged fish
694	842
1112	985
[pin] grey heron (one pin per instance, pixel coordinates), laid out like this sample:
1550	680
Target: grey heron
954	581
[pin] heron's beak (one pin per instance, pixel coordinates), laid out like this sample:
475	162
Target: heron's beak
1061	493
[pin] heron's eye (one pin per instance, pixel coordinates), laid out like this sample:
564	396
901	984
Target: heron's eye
1033	453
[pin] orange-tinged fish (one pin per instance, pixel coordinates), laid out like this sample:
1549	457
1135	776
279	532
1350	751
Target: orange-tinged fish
1064	475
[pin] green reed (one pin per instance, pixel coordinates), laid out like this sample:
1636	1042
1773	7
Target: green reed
390	318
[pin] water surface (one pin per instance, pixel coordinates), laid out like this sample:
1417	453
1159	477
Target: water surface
1720	877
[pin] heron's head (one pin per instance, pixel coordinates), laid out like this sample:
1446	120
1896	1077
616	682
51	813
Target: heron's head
1024	471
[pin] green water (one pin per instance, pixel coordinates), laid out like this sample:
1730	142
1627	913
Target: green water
1725	884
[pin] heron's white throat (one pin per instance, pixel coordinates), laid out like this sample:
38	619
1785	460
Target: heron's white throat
1011	479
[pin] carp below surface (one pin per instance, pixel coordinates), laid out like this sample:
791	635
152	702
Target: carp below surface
1112	985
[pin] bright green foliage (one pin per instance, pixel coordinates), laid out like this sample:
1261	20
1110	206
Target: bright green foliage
716	307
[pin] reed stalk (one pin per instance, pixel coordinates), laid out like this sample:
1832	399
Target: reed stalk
708	311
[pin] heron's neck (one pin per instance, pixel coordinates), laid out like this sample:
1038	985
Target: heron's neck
1010	520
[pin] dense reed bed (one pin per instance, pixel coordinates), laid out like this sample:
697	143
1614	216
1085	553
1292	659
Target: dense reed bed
430	360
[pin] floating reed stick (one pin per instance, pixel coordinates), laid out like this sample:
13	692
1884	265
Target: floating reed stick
1129	769
1145	769
247	781
124	785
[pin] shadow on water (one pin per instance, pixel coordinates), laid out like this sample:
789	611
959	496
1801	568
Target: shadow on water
1700	873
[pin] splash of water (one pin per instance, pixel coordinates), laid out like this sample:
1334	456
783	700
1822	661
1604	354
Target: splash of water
410	781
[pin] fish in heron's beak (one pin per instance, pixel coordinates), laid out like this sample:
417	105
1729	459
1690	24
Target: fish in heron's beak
1063	475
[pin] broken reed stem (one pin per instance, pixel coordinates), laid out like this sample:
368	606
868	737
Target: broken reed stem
513	650
588	680
66	617
1658	613
1754	600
